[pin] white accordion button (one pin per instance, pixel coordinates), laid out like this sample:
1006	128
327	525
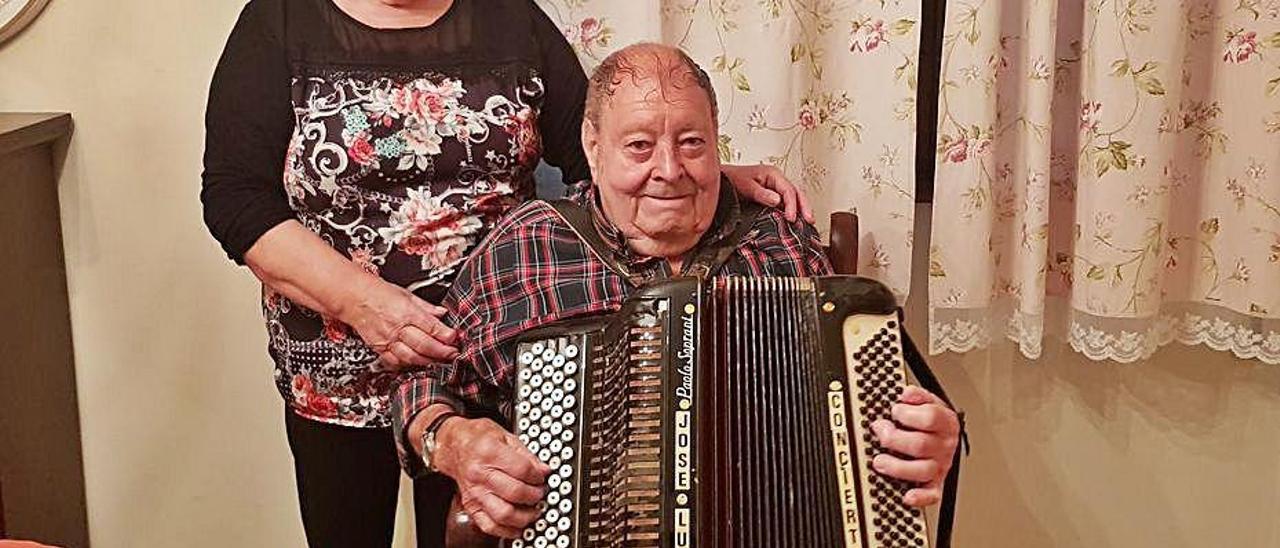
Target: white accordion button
547	387
565	505
553	497
535	381
548	354
567	435
571	351
569	400
567	419
522	407
555	445
557	361
544	439
566	471
570	385
557	378
555	426
523	424
554	462
546	422
553	515
553	481
557	394
535	414
564	525
537	348
525	390
526	358
545	454
556	412
517	543
563	541
566	453
540	542
565	488
535	397
529	534
570	367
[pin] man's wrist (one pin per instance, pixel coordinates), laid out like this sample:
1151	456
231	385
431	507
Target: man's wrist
418	424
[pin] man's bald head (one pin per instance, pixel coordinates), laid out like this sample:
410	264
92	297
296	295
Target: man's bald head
663	67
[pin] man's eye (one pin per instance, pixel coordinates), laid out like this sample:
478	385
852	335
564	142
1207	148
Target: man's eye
639	146
694	142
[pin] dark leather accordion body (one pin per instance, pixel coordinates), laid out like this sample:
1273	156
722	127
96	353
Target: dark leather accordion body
731	412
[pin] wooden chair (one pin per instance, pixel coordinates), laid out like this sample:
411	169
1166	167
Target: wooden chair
843	250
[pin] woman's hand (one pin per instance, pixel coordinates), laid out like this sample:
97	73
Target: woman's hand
405	330
767	184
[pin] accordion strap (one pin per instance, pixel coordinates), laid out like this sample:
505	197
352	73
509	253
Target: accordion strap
705	260
929	381
579	219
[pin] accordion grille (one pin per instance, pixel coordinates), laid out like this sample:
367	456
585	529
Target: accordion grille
780	468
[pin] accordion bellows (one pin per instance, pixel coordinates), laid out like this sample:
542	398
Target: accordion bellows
731	412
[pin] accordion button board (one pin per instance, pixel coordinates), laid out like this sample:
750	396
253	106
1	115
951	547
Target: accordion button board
721	413
878	374
549	386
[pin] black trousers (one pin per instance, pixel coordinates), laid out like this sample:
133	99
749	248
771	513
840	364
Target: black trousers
348	482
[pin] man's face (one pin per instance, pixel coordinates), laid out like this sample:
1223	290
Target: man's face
655	162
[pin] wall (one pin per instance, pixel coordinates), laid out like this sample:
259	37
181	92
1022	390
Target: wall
183	442
1180	451
182	430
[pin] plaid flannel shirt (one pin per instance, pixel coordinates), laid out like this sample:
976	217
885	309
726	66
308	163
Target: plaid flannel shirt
533	270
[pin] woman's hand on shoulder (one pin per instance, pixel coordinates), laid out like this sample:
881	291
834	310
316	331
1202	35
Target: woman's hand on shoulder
768	185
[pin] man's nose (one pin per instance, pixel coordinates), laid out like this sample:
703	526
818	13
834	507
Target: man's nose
666	163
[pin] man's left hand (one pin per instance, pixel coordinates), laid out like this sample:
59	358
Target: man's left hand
767	184
924	433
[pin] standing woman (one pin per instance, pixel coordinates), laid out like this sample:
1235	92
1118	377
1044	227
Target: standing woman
356	150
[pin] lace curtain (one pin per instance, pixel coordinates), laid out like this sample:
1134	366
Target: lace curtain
823	89
1110	172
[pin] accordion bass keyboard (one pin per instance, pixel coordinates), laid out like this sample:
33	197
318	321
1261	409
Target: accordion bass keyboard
731	412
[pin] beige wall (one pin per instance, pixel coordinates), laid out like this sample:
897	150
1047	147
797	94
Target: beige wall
183	443
183	437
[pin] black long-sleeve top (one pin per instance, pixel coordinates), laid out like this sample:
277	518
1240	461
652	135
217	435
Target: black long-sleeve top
400	148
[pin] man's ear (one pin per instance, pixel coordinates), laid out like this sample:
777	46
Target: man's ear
590	144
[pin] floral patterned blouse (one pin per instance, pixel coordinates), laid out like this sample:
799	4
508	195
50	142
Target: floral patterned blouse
400	148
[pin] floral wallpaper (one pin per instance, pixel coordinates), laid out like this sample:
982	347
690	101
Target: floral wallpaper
1109	171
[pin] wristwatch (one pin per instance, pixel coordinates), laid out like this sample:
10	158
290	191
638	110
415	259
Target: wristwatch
429	439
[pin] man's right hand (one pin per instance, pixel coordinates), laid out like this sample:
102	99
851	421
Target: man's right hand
405	330
499	481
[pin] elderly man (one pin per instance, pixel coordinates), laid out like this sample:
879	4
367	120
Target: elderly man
657	200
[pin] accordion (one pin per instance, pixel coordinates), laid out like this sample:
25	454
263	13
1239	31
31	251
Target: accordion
728	412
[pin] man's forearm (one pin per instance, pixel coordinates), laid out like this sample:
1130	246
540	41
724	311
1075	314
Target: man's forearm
298	264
